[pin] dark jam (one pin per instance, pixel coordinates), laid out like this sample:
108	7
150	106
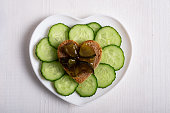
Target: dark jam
79	59
86	51
71	49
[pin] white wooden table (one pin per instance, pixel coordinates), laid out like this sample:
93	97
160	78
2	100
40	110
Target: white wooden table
146	85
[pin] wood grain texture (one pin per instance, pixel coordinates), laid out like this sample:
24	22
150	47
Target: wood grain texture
144	89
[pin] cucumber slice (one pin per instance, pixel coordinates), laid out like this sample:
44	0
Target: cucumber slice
57	34
45	52
113	55
107	36
52	71
95	26
65	85
105	75
81	33
88	87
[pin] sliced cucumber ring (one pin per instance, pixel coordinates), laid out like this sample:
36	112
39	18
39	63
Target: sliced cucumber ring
105	75
52	71
81	33
88	87
113	55
95	26
65	85
107	36
45	52
57	34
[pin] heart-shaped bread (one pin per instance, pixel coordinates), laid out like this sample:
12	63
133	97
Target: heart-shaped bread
93	45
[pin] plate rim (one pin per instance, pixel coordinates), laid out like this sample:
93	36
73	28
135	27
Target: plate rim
79	19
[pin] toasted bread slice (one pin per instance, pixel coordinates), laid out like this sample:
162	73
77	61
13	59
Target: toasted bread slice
93	44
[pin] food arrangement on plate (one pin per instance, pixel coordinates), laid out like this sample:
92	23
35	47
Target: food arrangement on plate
81	58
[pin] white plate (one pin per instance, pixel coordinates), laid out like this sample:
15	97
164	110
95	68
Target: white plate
42	31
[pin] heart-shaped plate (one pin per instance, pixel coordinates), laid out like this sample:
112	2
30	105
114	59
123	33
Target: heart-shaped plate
42	31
